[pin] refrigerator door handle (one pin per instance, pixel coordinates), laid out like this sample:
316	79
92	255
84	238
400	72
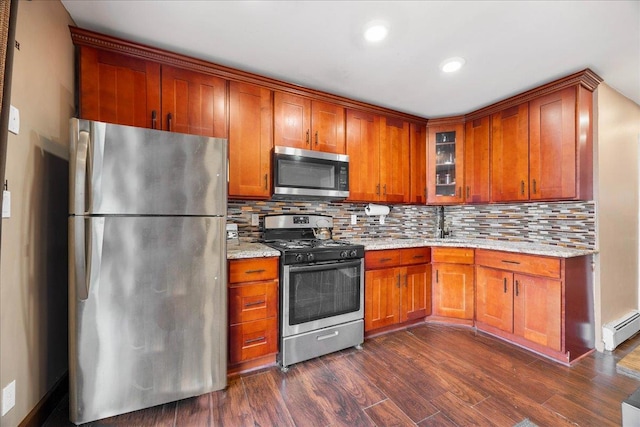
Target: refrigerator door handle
88	236
80	190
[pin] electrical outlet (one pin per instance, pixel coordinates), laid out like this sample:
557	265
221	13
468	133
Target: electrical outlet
354	219
255	220
8	397
14	120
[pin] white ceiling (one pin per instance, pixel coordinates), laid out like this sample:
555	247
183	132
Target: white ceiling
509	47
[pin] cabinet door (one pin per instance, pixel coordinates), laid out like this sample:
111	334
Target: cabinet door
476	161
193	103
494	298
415	292
381	307
553	145
510	154
453	290
327	127
537	312
363	148
394	160
250	140
445	174
119	89
250	340
292	121
418	161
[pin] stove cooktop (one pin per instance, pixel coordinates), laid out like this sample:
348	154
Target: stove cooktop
313	251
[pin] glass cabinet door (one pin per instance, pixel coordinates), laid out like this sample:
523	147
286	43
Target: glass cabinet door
445	164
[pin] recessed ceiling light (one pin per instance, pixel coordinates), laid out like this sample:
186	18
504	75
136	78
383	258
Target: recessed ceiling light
376	32
452	64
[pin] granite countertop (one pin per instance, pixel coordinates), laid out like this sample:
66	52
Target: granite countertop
250	250
497	245
259	250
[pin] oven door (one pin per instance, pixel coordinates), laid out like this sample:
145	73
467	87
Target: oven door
321	295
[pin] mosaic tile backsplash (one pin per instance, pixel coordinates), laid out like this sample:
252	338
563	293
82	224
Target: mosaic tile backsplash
568	224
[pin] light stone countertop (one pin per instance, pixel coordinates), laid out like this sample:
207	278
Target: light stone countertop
497	245
259	250
250	250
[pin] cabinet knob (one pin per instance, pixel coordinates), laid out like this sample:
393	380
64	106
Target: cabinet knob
316	138
307	139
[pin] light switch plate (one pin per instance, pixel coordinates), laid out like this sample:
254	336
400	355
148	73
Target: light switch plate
354	219
255	220
6	204
14	120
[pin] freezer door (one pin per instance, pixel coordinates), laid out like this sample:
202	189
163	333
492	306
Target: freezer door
135	171
147	312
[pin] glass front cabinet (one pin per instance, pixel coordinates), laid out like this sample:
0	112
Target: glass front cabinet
445	173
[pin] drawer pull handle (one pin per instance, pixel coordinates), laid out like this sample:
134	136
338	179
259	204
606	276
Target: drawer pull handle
385	259
251	304
418	256
254	340
254	271
325	337
511	262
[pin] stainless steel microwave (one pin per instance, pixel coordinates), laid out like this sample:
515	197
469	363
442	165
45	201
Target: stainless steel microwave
305	174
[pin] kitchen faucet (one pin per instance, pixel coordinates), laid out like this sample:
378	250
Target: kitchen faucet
442	232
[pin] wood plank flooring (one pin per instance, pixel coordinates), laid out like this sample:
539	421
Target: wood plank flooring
428	375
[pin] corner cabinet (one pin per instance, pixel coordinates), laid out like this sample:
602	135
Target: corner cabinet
445	172
418	163
253	313
541	303
397	287
250	145
453	277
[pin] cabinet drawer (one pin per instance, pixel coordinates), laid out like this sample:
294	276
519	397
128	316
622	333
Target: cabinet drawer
252	269
254	301
415	256
529	264
253	339
381	259
452	255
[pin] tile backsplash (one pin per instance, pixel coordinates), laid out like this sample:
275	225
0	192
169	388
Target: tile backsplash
569	224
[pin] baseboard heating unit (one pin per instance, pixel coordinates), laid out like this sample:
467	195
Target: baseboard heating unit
616	332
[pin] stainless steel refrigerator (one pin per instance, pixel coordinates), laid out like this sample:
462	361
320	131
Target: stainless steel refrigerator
147	268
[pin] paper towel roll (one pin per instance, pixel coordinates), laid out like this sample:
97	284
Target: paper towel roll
373	209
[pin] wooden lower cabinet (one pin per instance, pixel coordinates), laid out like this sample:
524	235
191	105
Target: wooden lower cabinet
541	303
453	277
253	312
397	287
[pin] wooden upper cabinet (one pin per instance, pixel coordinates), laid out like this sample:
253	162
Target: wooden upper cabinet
310	125
193	102
363	144
476	160
394	160
445	171
510	154
250	140
553	148
418	163
117	88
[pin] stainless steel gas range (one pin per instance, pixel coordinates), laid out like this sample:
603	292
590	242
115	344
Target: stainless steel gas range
321	287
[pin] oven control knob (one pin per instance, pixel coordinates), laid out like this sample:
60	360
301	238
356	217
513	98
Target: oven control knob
344	254
299	257
310	257
354	253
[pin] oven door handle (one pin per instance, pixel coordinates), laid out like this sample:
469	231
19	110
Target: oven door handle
324	265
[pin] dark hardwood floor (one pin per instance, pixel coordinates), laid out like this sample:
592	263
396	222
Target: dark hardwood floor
429	375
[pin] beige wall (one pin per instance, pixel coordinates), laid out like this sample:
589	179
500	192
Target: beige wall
617	138
33	270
